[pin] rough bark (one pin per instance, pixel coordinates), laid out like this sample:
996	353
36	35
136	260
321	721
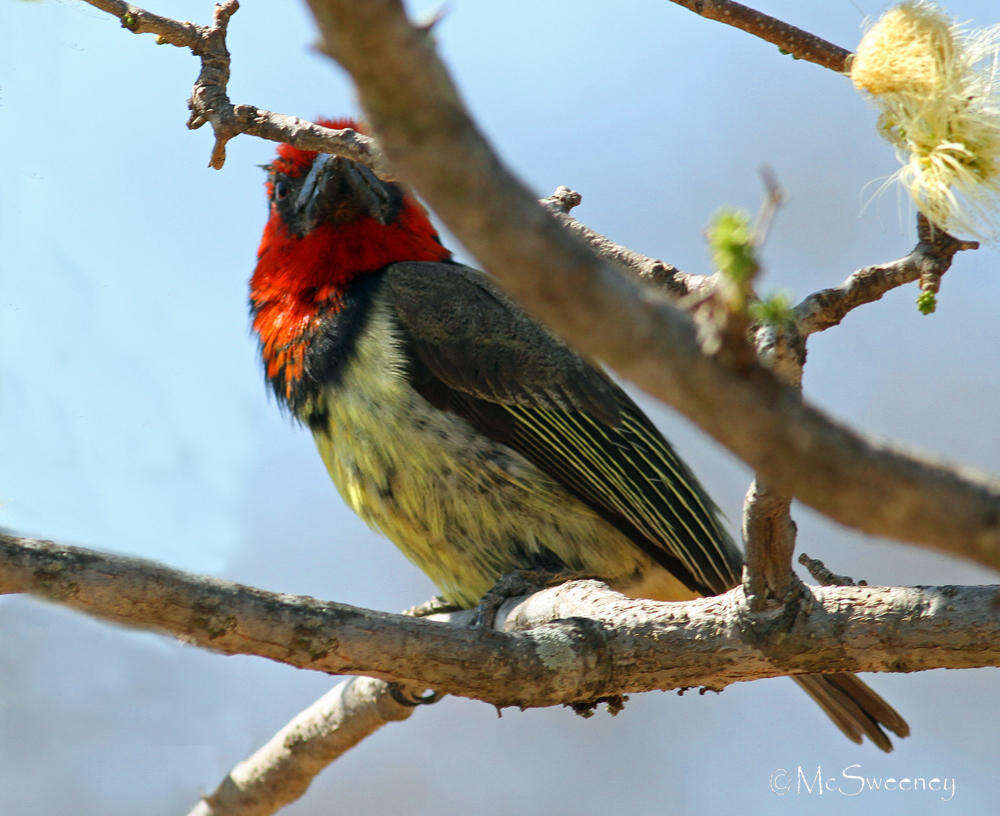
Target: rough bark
574	643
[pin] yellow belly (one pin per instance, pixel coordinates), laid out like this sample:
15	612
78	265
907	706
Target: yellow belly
463	508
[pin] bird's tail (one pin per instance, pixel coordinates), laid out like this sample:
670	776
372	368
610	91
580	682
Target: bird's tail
854	707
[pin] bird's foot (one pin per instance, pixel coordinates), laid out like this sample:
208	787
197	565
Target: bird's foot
406	695
514	585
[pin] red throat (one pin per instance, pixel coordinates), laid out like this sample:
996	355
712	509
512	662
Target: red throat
299	277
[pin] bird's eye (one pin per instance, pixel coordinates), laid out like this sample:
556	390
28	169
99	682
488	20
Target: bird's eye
280	190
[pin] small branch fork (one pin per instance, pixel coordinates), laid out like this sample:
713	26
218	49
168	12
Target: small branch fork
929	260
209	102
768	529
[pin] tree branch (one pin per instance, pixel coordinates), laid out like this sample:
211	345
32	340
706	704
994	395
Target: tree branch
140	21
768	529
210	103
574	643
423	127
818	570
789	39
769	538
932	256
643	268
767	526
280	771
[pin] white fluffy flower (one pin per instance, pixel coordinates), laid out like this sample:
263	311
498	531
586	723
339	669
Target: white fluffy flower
936	86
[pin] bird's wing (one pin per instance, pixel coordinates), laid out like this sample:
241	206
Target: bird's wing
476	353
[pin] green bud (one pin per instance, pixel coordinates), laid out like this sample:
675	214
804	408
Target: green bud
927	303
731	243
774	310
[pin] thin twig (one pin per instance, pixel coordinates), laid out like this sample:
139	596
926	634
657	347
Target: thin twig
774	197
209	101
643	268
139	21
789	39
933	254
818	570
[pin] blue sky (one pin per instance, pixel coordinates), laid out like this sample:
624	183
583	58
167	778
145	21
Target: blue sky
134	417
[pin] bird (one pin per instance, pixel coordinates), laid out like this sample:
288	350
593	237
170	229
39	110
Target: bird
462	428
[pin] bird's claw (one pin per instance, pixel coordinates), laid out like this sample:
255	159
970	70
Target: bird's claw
434	606
402	695
514	585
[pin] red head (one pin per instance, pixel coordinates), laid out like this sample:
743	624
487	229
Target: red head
331	220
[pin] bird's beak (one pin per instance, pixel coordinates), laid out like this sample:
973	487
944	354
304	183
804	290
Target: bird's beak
340	190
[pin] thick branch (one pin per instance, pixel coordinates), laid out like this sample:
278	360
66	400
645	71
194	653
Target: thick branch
932	255
800	44
426	132
573	643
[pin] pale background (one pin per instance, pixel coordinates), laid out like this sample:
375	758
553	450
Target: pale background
134	417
